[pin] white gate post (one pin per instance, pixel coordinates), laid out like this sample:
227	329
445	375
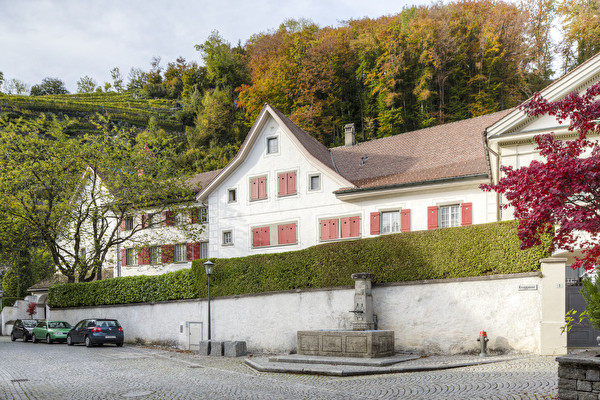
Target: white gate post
552	342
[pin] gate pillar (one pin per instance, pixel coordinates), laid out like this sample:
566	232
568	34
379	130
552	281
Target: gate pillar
553	307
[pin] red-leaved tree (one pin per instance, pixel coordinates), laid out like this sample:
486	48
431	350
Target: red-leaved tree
31	309
562	193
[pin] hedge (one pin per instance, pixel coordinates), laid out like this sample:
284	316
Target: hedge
10	301
130	289
467	251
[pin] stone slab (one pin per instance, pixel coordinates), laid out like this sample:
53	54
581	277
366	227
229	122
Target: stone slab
216	348
367	362
204	349
234	349
338	343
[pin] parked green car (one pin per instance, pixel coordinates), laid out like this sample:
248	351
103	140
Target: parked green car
52	331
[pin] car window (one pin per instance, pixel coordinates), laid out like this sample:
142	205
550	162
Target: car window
91	323
54	325
80	324
62	324
40	324
110	323
29	324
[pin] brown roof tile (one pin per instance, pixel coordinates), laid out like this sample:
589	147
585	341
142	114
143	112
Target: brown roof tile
440	152
202	179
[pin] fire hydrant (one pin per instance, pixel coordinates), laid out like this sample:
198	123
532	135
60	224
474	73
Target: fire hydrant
483	339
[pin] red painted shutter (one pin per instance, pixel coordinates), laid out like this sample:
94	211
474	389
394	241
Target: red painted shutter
355	226
291	183
196	250
254	189
144	221
291	233
324	230
265	239
467	213
281	234
432	217
167	252
262	188
123	256
374	223
333	229
256	237
189	252
194	215
286	233
282	183
123	224
144	256
350	227
405	221
168	218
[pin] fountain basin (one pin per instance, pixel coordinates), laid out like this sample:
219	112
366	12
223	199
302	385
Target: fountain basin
338	343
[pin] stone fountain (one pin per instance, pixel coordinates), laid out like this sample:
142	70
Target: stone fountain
364	340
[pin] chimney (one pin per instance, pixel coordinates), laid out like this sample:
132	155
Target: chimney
349	134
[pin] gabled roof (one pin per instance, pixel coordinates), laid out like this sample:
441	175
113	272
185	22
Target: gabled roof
577	79
454	150
199	181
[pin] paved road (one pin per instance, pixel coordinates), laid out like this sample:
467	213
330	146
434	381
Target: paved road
57	371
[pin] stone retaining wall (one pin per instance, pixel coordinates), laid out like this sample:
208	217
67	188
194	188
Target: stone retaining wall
579	376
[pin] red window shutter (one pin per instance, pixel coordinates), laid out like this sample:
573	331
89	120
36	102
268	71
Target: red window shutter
325	230
167	252
265	239
144	256
194	215
256	237
374	223
291	183
144	221
329	229
189	252
123	224
282	183
282	234
262	188
432	217
168	218
467	213
286	233
350	227
405	221
254	189
291	233
123	256
196	251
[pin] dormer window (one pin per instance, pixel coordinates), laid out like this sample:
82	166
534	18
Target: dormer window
272	145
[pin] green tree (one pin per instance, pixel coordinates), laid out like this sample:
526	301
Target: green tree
73	193
16	86
117	78
49	86
137	79
86	85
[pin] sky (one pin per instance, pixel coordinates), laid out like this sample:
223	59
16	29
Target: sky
69	39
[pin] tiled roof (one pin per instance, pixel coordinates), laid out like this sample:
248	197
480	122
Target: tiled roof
440	152
202	179
312	145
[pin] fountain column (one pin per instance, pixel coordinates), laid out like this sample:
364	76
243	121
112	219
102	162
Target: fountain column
363	302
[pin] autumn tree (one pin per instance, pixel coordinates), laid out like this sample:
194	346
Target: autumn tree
562	194
580	23
72	194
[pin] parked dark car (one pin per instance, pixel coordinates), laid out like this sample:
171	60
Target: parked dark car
96	331
22	329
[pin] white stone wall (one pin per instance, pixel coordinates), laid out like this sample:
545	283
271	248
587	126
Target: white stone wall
443	316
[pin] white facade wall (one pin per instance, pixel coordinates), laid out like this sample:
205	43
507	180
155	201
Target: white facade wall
307	208
443	316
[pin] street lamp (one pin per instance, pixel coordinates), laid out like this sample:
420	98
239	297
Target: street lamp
208	268
1	295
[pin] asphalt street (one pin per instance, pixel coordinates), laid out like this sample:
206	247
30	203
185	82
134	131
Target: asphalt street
57	371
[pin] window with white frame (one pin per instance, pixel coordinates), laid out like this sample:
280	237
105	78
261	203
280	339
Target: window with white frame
227	238
203	250
390	222
203	215
272	145
449	216
314	182
180	252
131	256
231	196
128	223
179	218
155	255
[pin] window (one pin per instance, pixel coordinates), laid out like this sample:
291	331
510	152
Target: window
286	234
155	255
180	252
314	183
272	145
231	196
203	250
126	223
449	216
390	222
179	218
227	238
287	183
261	236
203	215
152	220
130	257
350	227
258	188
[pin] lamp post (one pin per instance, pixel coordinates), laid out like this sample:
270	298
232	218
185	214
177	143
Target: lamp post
1	295
208	268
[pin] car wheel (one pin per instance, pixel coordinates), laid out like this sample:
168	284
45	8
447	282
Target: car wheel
12	337
88	341
48	339
69	340
25	337
33	338
120	344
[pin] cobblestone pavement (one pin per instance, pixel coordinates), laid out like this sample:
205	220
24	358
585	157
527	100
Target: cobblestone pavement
58	371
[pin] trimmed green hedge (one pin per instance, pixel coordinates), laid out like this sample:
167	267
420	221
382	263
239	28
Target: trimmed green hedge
474	250
130	289
10	301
